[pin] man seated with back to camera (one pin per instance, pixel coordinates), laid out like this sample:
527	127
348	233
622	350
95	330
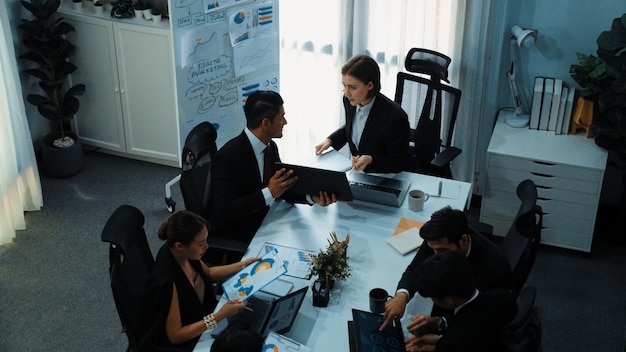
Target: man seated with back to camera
242	190
447	230
479	316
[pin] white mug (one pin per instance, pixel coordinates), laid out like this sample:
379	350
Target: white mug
417	199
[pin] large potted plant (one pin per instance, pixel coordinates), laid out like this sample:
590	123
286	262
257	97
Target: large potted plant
603	79
61	152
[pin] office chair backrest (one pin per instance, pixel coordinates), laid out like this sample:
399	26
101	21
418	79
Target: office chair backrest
198	153
523	333
195	185
130	265
522	241
432	107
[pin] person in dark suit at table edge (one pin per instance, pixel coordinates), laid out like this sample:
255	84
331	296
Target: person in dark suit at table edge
240	192
479	316
376	128
447	230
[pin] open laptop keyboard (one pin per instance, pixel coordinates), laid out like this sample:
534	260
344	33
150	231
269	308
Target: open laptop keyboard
396	192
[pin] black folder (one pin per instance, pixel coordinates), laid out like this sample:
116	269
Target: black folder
312	180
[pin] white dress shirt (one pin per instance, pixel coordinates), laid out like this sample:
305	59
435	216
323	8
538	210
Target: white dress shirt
259	148
360	118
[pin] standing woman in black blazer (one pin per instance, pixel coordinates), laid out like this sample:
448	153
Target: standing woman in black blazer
376	128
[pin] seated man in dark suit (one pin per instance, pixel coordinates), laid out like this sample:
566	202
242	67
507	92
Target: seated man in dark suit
447	230
243	182
478	315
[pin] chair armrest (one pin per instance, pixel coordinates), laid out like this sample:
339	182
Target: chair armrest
445	157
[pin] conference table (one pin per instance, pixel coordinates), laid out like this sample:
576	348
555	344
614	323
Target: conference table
373	262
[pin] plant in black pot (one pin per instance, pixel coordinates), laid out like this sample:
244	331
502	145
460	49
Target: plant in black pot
47	48
328	265
603	79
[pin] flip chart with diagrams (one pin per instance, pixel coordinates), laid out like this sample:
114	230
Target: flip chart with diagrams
223	51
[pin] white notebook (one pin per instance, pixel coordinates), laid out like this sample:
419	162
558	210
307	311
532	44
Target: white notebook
406	241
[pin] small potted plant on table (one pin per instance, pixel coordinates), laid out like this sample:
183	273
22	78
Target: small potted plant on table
328	265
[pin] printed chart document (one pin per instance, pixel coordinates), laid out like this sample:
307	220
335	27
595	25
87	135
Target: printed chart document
278	342
253	277
298	261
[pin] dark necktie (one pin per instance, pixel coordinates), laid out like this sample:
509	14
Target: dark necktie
267	166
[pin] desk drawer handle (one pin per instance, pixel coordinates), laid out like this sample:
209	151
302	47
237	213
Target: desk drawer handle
543	163
541	175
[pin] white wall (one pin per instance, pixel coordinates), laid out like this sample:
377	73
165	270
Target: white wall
565	27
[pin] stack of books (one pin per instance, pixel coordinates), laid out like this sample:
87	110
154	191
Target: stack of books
552	105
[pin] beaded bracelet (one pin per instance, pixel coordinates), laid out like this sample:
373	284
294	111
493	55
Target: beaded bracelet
209	321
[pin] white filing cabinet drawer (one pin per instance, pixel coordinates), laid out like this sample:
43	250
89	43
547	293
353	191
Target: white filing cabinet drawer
568	171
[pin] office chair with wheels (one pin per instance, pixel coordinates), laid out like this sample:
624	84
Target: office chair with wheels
130	264
521	243
523	333
432	107
195	180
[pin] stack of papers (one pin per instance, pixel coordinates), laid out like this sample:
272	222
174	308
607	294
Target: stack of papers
406	241
406	236
405	224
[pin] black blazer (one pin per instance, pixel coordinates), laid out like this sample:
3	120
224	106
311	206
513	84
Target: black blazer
490	266
385	135
237	204
476	326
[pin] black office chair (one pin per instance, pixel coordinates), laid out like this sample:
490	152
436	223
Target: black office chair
521	243
130	264
523	333
195	180
432	107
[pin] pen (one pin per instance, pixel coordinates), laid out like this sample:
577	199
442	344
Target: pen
248	308
351	171
440	185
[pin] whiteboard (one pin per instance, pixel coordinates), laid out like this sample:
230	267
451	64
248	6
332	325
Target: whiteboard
224	50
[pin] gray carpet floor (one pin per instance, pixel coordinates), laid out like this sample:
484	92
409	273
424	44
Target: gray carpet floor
55	293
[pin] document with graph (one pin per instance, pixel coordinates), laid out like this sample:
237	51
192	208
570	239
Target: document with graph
255	276
297	261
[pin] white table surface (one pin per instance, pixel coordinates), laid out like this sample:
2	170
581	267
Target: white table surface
374	263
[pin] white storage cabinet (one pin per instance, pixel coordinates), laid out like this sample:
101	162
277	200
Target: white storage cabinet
568	171
129	107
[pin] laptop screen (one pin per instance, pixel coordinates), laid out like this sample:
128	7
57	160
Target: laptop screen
284	312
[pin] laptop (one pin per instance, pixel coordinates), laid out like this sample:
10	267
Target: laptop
269	312
378	189
313	180
365	336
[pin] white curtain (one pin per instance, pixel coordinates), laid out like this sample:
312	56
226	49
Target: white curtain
315	43
20	187
482	49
